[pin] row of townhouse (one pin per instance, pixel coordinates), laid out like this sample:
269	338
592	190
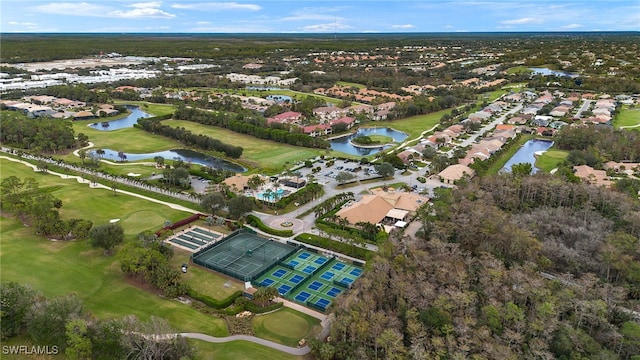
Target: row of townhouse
486	147
59	108
294	120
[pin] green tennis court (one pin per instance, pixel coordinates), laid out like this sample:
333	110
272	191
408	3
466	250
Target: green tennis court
243	255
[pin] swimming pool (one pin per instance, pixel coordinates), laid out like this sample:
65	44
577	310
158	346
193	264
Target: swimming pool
274	195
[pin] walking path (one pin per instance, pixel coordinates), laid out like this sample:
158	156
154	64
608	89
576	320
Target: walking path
299	351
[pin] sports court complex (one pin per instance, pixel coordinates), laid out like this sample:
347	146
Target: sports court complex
299	274
194	238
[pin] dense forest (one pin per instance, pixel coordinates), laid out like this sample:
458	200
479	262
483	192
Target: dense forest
39	135
507	267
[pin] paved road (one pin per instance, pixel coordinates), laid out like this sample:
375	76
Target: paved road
499	120
583	108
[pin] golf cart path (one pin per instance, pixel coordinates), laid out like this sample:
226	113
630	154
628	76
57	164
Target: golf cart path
100	186
288	349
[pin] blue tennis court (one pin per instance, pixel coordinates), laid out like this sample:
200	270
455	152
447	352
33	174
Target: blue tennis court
334	292
315	285
327	275
293	263
279	273
320	260
283	289
296	279
338	266
267	282
304	255
309	269
323	303
303	296
347	280
356	272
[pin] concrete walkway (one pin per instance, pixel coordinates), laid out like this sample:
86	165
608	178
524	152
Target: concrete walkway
299	351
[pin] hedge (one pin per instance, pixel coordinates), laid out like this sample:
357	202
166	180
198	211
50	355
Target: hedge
211	302
337	246
255	221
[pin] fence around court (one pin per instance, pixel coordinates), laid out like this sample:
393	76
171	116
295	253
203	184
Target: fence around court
225	246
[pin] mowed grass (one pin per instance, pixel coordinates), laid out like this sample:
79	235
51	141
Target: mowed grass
285	326
628	117
549	159
268	155
98	205
355	85
57	268
205	281
129	140
414	125
239	350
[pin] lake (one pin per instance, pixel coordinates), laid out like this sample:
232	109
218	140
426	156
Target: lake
185	155
343	144
527	152
126	122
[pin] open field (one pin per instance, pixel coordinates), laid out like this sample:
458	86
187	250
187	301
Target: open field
268	155
205	281
285	326
356	85
239	350
414	125
628	117
550	158
152	108
62	267
519	70
128	140
99	205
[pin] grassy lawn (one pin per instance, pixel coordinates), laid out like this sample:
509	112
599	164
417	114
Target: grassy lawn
128	140
270	156
356	85
152	108
239	350
60	268
628	117
98	205
493	95
414	125
205	281
381	139
550	158
519	70
285	326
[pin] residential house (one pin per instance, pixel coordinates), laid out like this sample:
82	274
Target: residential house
455	172
289	117
591	176
317	130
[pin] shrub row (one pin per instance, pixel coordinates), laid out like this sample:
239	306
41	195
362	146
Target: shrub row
255	221
211	302
336	246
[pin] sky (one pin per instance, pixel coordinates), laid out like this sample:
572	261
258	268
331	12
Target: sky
305	16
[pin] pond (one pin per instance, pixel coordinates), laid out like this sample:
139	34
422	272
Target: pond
527	153
126	122
343	143
547	72
185	155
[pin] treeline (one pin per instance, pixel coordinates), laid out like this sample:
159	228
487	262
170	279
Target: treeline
599	144
36	206
188	138
254	127
470	286
61	325
40	135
